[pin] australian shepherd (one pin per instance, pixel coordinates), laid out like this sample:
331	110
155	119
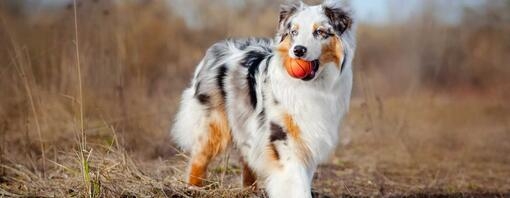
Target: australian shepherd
242	95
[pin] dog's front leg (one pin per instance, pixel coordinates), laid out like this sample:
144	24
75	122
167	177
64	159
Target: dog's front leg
292	179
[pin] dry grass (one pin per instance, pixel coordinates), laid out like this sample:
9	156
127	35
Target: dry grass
86	104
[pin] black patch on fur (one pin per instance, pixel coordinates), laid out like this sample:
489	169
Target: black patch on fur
220	80
322	36
262	114
339	19
283	37
197	88
262	117
252	61
277	133
268	60
343	62
315	34
204	99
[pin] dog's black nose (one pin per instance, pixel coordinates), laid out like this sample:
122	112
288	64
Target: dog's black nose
299	51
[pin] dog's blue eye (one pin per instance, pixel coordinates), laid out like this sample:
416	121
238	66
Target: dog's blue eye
322	33
294	32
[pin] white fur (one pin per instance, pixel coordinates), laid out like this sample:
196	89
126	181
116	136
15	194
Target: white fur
191	119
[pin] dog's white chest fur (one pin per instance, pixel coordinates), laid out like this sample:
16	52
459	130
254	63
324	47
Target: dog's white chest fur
316	109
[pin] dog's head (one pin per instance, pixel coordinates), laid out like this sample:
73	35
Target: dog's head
314	33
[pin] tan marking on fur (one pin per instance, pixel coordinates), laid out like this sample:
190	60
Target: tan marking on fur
219	137
292	127
294	132
332	52
249	177
295	27
219	132
217	101
284	46
273	156
283	51
316	26
273	152
197	174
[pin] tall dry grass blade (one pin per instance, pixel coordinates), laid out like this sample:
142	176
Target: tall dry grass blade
20	59
68	169
84	161
115	140
225	168
78	67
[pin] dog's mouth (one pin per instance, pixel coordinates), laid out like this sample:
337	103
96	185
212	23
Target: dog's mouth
313	73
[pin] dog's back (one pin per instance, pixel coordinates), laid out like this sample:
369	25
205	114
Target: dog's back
230	60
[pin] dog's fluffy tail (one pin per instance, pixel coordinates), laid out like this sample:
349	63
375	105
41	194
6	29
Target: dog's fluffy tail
189	123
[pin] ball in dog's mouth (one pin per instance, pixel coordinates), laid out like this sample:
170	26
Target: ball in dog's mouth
302	69
315	68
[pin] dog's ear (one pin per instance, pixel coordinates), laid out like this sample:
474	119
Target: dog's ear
338	14
286	11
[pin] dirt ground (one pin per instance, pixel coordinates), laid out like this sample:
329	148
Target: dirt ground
393	147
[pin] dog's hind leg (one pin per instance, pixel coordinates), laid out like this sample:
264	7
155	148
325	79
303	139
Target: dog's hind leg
249	177
215	141
202	130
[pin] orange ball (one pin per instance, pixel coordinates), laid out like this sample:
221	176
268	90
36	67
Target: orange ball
298	68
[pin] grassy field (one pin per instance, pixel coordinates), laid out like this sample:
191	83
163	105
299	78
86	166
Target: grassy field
390	148
88	92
